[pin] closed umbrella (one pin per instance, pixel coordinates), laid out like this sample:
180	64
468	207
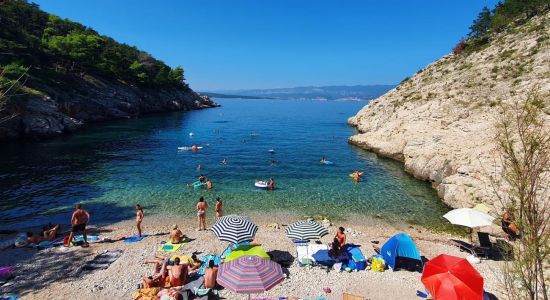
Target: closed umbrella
469	217
247	250
451	277
235	229
250	275
305	230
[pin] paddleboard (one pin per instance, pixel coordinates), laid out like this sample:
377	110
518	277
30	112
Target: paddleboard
327	162
271	151
188	148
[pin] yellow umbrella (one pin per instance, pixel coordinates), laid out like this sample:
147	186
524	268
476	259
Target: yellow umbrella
482	207
249	250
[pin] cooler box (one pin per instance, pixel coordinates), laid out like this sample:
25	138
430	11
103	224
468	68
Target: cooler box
358	257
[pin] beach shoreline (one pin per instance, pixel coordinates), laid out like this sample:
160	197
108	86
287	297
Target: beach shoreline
54	276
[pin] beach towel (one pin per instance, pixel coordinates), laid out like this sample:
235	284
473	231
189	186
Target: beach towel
169	247
101	261
134	239
146	294
205	260
232	247
89	238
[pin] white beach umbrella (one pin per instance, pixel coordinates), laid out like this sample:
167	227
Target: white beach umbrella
469	217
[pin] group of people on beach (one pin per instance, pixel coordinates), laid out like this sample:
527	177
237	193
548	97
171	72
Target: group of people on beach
176	236
175	273
79	220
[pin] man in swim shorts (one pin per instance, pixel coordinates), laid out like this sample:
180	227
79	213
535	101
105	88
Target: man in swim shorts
79	220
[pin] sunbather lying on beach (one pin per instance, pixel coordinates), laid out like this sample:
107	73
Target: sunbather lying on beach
176	236
160	272
48	235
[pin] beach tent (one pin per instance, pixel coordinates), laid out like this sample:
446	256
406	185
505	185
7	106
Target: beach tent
399	245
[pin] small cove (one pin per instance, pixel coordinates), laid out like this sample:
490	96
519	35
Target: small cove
111	166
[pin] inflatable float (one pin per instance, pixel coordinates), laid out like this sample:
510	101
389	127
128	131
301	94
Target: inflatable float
197	185
261	184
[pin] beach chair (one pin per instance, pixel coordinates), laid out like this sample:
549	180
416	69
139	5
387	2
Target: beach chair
347	296
477	251
303	256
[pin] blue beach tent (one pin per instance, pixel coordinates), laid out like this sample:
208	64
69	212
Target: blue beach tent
399	245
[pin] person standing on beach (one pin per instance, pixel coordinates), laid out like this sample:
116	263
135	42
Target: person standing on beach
201	213
139	218
79	220
218	208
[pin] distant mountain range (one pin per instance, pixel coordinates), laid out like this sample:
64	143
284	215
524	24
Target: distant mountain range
338	93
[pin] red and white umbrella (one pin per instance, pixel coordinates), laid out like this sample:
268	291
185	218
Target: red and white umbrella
250	275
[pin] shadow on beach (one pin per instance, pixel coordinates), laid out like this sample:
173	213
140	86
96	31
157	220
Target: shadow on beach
37	269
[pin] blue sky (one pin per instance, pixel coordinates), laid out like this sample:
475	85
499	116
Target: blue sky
241	44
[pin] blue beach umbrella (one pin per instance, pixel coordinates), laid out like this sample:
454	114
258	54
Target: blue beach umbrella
399	245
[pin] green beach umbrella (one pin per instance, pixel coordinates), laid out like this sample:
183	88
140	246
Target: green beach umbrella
247	250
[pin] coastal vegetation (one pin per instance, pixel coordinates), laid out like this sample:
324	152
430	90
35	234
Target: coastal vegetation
524	145
504	16
57	75
30	37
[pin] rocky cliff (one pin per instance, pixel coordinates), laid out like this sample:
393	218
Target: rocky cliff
440	122
57	107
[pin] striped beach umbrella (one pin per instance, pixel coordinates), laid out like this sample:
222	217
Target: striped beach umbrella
250	275
235	229
305	230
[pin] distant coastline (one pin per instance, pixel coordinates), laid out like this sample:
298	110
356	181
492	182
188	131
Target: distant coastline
319	93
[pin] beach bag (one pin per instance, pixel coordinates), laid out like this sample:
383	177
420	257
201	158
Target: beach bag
377	265
146	294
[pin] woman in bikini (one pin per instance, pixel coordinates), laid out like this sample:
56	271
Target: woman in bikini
139	218
201	213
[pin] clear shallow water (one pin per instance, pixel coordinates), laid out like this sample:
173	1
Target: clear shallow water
112	166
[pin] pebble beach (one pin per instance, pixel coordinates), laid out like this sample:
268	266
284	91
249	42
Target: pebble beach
54	273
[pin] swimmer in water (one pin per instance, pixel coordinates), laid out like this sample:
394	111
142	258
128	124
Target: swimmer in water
273	163
199	167
224	161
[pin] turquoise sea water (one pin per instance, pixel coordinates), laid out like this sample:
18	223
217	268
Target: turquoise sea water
112	166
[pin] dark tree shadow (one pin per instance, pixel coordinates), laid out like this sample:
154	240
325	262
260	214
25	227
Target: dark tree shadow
37	269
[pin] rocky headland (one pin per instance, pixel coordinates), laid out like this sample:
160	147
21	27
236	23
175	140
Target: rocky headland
64	107
440	122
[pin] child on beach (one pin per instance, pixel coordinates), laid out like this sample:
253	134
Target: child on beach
139	218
